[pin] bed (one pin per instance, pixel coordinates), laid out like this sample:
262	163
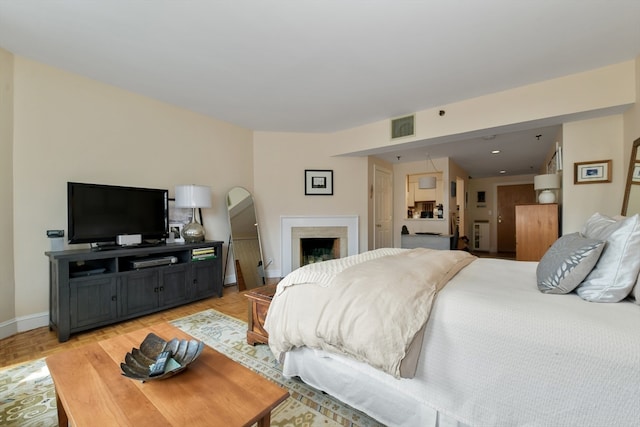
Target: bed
499	346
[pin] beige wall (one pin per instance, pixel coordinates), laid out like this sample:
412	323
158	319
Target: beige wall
632	119
594	91
592	140
280	162
68	128
7	284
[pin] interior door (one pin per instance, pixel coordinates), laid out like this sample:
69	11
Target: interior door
508	197
383	208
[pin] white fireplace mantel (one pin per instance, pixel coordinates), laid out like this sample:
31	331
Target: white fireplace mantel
289	222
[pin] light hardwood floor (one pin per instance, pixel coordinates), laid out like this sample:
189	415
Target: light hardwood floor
41	342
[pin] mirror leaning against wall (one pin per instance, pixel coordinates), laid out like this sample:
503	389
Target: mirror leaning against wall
244	242
631	202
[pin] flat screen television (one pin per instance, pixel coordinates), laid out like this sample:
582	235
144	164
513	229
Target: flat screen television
100	213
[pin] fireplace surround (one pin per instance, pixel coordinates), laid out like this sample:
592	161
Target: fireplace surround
293	228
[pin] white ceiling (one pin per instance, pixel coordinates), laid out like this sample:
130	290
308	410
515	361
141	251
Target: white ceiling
322	66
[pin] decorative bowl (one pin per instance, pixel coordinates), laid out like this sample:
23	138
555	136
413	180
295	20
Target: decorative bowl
137	362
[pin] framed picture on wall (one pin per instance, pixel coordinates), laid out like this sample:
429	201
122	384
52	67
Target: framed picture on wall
318	182
592	172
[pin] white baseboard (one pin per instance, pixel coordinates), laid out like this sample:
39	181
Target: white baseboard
23	324
270	275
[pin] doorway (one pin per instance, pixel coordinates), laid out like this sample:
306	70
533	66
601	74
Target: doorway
382	208
508	197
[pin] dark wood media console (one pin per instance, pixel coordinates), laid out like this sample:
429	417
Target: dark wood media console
89	288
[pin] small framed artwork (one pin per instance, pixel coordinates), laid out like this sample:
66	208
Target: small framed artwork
178	217
318	182
592	172
635	178
481	199
176	229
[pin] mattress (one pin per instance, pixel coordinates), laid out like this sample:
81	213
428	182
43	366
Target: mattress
498	352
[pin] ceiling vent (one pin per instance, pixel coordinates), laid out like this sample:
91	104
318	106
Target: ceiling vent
403	126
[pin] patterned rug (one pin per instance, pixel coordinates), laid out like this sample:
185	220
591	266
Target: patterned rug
27	396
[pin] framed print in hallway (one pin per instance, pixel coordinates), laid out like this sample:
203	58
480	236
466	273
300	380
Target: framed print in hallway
597	171
318	182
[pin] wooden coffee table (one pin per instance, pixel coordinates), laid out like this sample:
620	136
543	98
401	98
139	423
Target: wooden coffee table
214	390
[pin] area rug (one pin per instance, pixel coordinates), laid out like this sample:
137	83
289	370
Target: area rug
27	395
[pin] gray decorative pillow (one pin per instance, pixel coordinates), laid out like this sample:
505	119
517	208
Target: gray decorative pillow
567	262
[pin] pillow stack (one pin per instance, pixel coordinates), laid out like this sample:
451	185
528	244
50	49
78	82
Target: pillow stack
602	262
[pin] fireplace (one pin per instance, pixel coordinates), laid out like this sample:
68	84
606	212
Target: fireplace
318	249
307	239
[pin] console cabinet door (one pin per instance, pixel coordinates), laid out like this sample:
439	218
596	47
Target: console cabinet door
205	281
92	301
139	292
173	285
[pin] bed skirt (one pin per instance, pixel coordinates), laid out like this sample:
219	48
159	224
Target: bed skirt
388	405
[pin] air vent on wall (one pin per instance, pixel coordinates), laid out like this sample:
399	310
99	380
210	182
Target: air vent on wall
402	126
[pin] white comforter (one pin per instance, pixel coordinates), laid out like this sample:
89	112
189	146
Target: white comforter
497	352
358	305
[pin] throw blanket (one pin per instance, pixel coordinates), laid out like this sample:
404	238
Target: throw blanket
369	306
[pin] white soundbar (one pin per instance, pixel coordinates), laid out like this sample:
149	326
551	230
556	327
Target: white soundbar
129	239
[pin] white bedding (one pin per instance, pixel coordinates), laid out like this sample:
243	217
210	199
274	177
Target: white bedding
355	314
497	352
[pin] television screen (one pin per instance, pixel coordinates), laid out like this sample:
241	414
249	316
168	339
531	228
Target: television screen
100	213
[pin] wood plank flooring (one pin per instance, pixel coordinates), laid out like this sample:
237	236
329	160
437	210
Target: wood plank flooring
41	342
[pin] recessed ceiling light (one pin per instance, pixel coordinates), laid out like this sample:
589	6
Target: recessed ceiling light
495	151
503	171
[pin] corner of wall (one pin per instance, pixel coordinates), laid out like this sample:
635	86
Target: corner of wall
7	276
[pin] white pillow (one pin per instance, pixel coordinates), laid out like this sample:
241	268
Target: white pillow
635	292
617	269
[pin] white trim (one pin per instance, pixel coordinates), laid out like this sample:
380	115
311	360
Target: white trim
23	324
288	222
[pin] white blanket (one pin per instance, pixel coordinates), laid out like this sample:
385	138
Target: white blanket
358	306
497	352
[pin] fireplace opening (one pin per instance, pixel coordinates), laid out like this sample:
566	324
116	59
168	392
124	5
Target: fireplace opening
317	249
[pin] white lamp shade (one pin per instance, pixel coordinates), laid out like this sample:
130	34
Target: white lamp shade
193	196
427	182
550	181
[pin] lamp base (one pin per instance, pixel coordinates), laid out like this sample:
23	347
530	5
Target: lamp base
547	196
193	232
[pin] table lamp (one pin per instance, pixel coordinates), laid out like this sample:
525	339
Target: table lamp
193	196
548	183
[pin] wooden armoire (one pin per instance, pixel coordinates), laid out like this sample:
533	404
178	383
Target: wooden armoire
537	227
